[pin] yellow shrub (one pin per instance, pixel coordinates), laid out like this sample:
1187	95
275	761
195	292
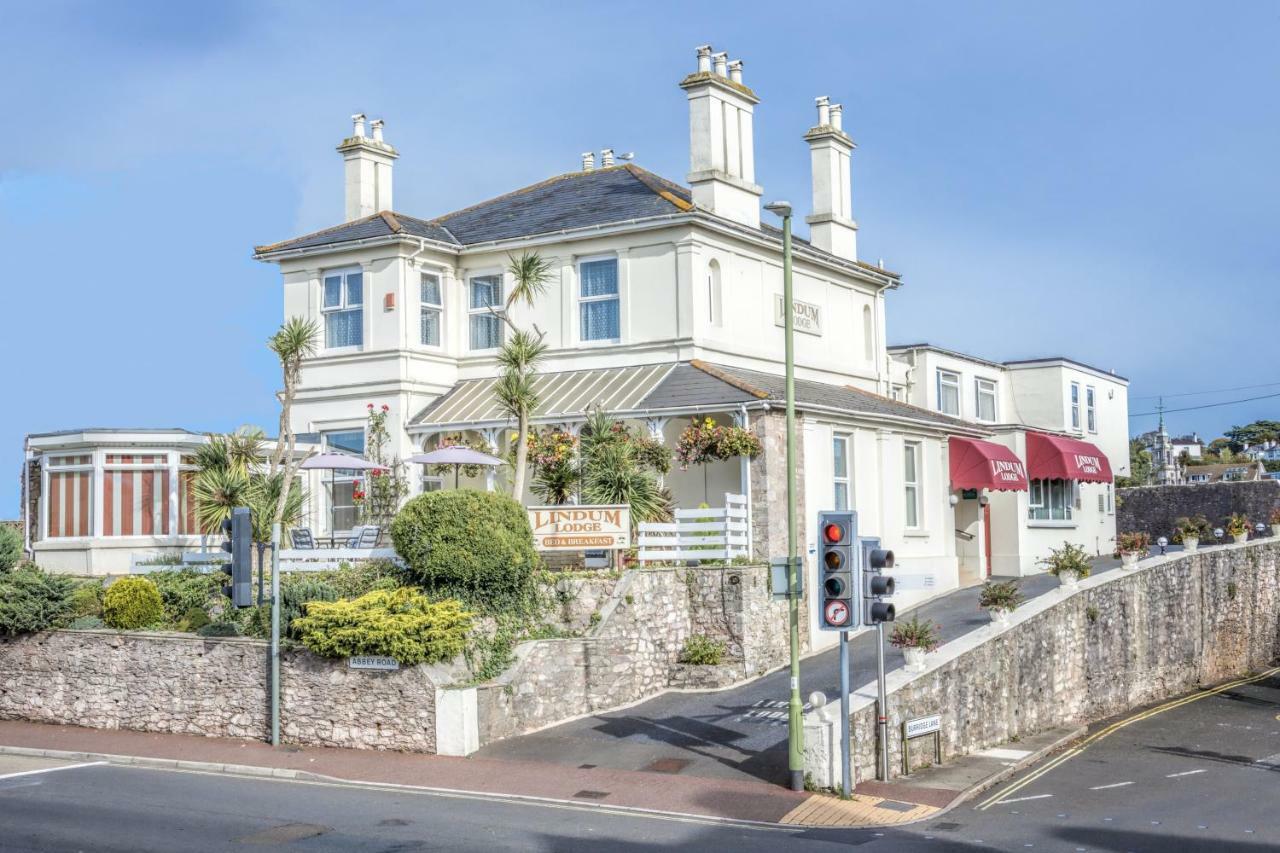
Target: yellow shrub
401	623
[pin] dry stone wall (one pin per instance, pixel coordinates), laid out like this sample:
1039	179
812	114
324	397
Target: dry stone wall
1154	509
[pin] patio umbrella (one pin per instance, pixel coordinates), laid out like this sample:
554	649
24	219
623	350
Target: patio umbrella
332	462
457	456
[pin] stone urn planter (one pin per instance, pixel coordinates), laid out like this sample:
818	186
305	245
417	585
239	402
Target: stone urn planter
1190	544
1069	580
999	616
915	658
1129	559
1275	530
1240	538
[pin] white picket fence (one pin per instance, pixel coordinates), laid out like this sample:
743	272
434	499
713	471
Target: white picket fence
712	533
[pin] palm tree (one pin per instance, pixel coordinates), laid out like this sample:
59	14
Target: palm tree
216	491
293	343
516	394
530	274
613	476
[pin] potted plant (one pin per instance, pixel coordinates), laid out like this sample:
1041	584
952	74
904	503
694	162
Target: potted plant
916	638
1133	546
1069	564
1238	527
1189	532
1275	521
999	598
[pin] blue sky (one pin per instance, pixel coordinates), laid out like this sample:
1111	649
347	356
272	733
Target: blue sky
1095	180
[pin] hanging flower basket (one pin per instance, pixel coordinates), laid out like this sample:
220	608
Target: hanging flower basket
705	441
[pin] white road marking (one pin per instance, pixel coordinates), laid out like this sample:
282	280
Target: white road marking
1005	754
1024	799
1105	787
51	769
1184	773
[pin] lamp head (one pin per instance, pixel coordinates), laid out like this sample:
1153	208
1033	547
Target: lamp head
779	208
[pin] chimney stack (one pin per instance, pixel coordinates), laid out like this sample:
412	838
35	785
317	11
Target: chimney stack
588	161
831	225
606	158
721	148
367	164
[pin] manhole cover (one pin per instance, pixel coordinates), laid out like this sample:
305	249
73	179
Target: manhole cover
667	765
946	826
591	795
895	806
284	833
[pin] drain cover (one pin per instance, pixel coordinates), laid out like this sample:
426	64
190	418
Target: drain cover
285	833
667	765
946	826
587	766
895	806
591	795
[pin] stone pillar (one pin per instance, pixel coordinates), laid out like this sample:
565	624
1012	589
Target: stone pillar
769	498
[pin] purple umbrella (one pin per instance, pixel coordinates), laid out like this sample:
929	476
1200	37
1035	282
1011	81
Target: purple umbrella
338	462
457	456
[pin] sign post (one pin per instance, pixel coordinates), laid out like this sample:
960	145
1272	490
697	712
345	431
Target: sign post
921	727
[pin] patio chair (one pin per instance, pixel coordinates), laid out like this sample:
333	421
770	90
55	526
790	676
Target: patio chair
367	537
353	540
302	538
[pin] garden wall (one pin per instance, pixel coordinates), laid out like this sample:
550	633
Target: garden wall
1121	640
155	682
632	651
1155	508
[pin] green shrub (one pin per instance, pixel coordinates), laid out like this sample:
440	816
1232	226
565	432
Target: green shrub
403	624
999	595
916	633
1068	559
85	623
185	590
297	591
86	599
219	629
193	620
475	546
10	547
131	603
702	650
31	600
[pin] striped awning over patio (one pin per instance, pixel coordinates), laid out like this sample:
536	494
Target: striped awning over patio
561	396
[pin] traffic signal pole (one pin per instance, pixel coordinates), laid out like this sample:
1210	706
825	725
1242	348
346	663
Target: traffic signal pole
882	707
846	760
275	634
795	710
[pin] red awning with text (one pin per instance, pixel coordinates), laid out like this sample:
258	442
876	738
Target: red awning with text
984	465
1056	457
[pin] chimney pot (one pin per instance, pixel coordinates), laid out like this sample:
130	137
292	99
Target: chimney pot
376	124
721	60
606	158
704	57
357	122
837	116
824	110
735	71
588	161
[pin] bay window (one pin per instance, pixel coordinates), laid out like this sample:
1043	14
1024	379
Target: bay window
70	496
343	309
485	326
135	494
1051	500
432	309
949	393
598	302
911	482
985	402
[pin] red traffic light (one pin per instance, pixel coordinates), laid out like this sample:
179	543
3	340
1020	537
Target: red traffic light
833	533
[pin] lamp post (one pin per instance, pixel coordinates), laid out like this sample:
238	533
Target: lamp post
795	729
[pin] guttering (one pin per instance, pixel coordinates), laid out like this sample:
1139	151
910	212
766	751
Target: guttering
27	549
345	245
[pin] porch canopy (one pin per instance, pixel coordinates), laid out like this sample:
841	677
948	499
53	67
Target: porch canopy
985	465
1056	457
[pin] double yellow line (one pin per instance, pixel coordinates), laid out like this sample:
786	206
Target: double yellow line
1115	727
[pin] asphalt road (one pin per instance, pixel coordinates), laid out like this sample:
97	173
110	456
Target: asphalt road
1202	776
740	732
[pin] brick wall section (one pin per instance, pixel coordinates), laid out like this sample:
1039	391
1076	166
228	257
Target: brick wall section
1155	508
155	682
1156	633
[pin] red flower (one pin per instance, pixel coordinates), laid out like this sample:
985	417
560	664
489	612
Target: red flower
371	407
385	407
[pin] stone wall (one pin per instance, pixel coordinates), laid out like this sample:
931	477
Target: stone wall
1155	508
1121	640
177	683
633	651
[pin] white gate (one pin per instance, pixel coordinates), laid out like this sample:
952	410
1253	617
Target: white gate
711	533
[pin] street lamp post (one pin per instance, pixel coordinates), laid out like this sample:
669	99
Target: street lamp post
795	723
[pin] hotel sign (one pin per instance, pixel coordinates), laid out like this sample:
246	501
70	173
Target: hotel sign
1087	464
806	316
580	528
1005	471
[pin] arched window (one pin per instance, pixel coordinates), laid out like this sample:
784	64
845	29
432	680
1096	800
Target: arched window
715	298
868	334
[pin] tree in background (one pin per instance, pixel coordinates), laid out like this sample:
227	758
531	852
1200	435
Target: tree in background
1258	432
1139	466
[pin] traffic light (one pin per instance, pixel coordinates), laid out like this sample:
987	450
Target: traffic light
876	585
239	532
837	595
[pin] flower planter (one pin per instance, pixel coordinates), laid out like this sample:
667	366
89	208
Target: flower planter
915	658
1240	537
1129	559
1069	580
1275	530
999	616
1190	544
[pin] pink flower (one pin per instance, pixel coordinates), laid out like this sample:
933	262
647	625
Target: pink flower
385	407
371	407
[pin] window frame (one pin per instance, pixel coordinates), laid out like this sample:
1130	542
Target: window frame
978	382
581	300
940	383
51	467
837	478
425	307
344	305
341	476
911	488
485	311
113	466
1074	398
1091	408
1047	498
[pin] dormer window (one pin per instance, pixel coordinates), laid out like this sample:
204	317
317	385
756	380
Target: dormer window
598	302
343	309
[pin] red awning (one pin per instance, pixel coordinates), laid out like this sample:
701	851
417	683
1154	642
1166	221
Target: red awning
1056	457
984	465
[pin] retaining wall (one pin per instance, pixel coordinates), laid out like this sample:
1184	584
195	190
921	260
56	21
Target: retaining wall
1120	640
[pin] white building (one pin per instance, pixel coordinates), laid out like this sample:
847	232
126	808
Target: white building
666	303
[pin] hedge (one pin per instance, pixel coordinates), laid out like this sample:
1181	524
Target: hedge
132	603
31	600
402	624
10	547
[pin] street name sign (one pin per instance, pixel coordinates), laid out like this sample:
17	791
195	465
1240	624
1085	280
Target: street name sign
373	662
922	726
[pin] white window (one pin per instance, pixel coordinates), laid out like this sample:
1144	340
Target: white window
432	484
911	482
344	483
432	309
1051	500
1075	405
897	392
343	309
949	393
1090	408
840	470
69	496
985	399
486	327
598	302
